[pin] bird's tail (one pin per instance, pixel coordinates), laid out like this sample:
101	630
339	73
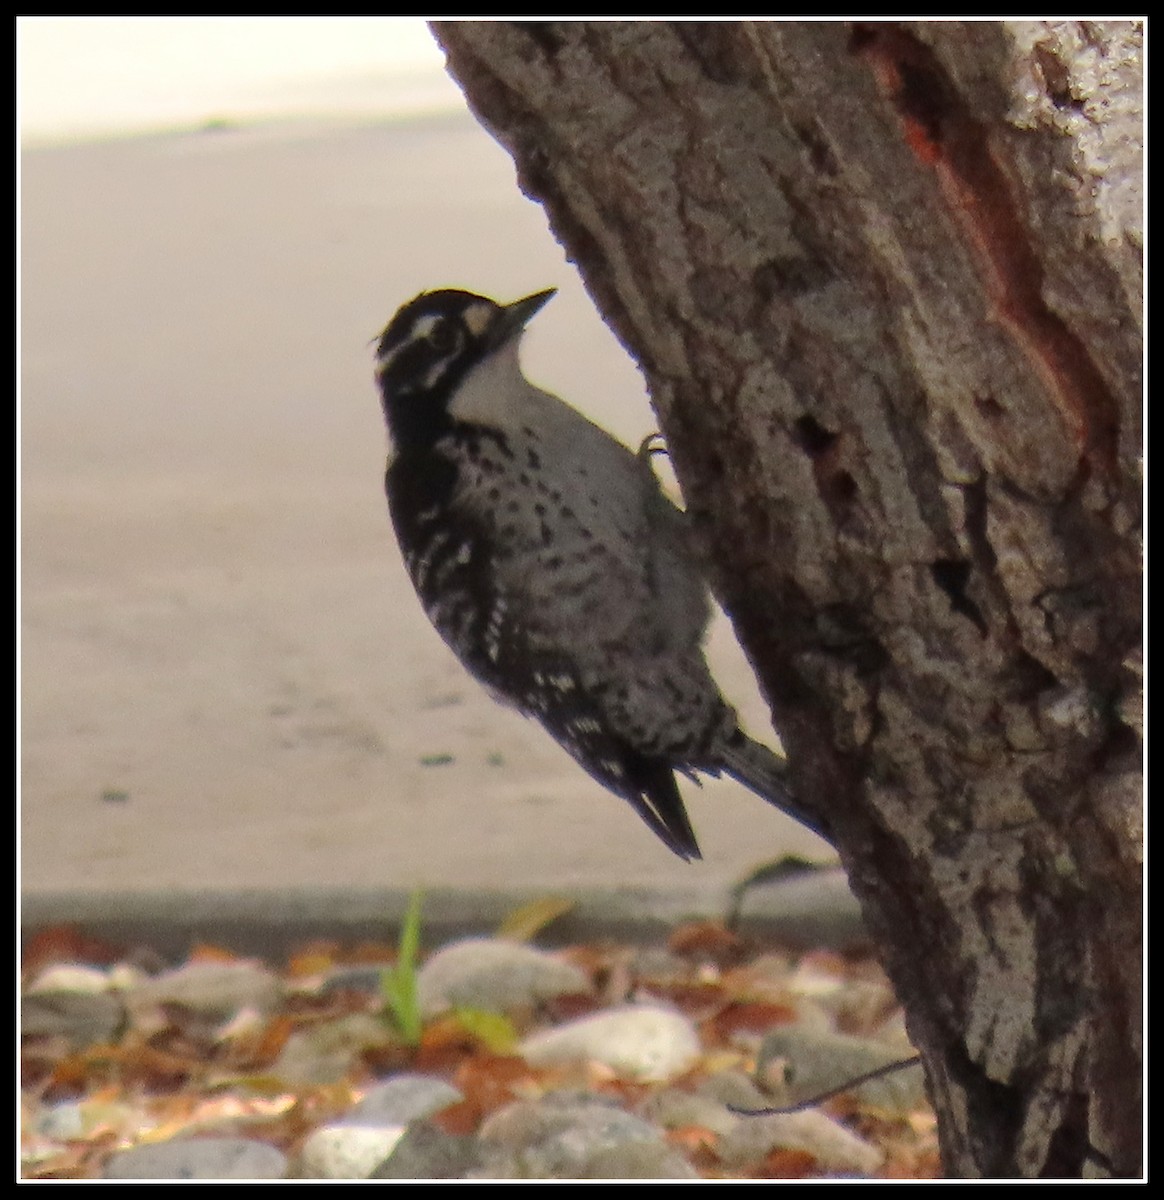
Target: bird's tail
766	773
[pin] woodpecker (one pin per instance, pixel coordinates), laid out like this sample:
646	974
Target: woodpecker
553	565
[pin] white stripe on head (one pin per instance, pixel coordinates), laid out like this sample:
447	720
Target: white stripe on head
479	316
424	327
421	330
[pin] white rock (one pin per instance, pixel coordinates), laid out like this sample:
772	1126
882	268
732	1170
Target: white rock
354	1147
348	1151
69	977
63	1121
639	1041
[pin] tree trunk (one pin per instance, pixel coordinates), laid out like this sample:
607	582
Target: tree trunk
884	282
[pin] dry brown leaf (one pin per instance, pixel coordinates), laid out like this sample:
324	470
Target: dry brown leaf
694	999
710	941
752	1017
690	1138
444	1044
923	1163
460	1118
308	963
784	1163
367	953
208	952
570	1006
66	944
490	1080
271	1041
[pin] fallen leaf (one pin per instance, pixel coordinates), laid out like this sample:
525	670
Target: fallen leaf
493	1030
488	1081
207	952
371	952
525	922
444	1043
311	962
458	1119
697	1000
66	944
783	1163
748	1017
708	940
690	1138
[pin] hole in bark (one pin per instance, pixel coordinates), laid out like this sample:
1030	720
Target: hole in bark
543	34
923	97
1028	677
1122	742
842	630
839	489
820	153
989	407
861	37
975	500
1056	78
811	436
952	575
713	45
791	275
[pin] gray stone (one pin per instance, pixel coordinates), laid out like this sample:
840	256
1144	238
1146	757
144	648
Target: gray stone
426	1152
494	975
82	1018
833	1146
568	1136
673	1108
357	978
735	1089
216	990
198	1158
404	1098
805	906
637	1160
795	1064
324	1053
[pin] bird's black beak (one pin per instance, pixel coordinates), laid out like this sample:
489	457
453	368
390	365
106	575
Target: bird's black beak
516	316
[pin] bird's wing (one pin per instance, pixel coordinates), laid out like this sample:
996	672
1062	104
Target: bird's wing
511	657
498	620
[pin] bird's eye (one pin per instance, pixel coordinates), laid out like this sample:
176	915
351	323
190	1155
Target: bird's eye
444	337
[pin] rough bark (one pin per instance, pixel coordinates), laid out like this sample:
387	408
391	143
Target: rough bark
884	283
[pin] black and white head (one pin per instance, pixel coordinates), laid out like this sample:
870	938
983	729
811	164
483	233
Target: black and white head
432	345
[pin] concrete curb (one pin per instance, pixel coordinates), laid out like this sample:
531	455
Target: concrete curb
813	909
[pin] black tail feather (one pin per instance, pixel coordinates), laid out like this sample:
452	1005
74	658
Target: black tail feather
658	802
766	773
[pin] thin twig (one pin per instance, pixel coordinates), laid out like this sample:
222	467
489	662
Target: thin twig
813	1101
